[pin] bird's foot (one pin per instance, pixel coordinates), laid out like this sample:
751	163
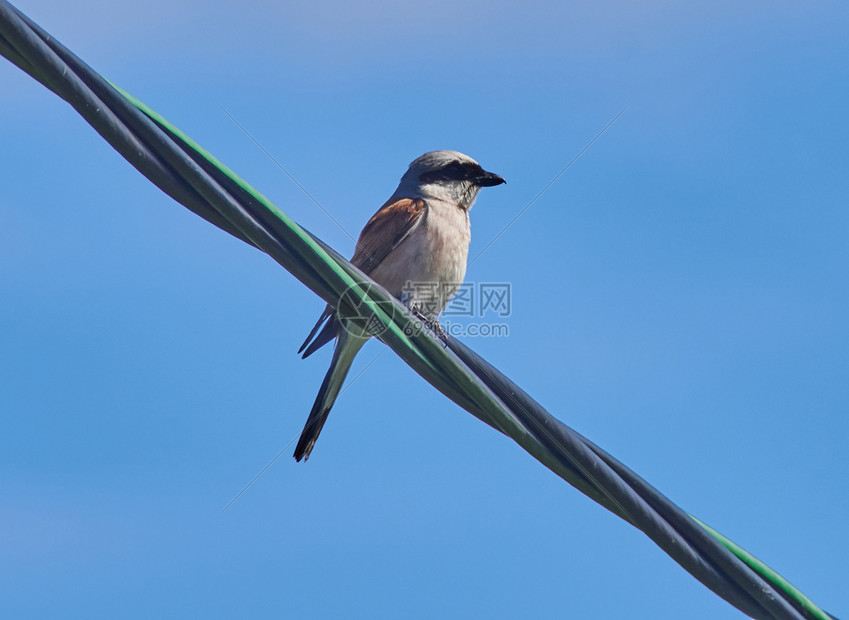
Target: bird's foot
432	324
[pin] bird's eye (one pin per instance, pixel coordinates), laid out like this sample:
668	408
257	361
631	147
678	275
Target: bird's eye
455	170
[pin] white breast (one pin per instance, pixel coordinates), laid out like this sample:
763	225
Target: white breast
428	267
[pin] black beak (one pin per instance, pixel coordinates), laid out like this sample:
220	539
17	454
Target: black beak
488	179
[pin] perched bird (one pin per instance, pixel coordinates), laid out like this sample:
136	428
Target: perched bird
416	247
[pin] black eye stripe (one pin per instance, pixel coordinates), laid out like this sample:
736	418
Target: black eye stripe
455	171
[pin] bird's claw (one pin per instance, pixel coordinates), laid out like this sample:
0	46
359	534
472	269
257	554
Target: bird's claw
432	324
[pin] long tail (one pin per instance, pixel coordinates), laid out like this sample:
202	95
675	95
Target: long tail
347	347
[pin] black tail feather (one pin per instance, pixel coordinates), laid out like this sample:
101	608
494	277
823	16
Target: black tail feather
346	349
326	314
328	333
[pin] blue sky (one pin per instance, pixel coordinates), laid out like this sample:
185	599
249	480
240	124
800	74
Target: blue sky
679	296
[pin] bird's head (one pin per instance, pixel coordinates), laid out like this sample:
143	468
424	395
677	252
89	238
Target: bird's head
446	175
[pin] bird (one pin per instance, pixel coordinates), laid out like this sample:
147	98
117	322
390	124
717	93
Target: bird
416	246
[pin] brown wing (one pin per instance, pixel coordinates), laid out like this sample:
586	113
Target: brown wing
386	230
